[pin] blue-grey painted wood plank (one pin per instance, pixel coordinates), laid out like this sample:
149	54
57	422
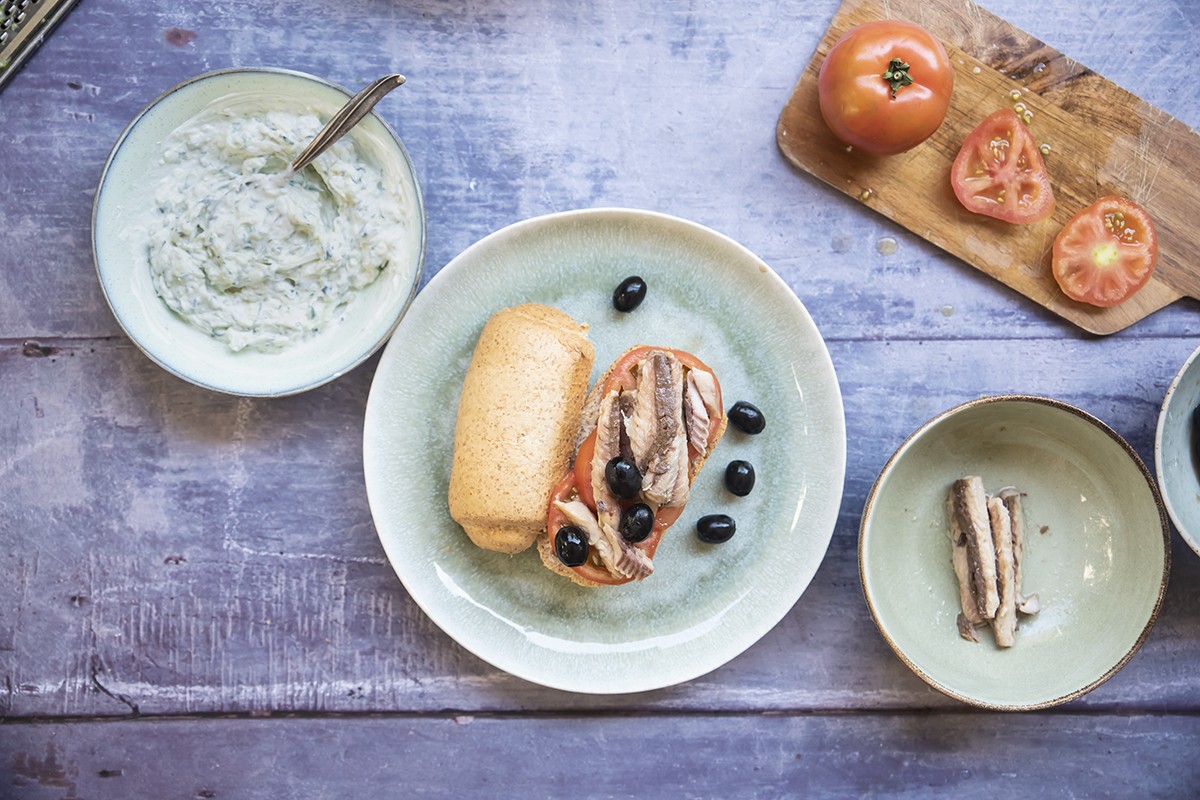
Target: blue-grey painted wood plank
938	755
169	551
518	109
177	552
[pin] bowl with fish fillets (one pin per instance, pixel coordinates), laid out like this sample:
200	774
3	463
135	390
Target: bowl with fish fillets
1014	552
237	274
1177	451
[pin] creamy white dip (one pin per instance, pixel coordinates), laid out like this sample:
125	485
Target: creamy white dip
257	258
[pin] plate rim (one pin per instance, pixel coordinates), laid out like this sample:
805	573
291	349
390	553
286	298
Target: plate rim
515	669
1164	525
182	373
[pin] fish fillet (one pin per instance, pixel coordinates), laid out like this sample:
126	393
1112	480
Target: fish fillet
969	511
1004	625
962	570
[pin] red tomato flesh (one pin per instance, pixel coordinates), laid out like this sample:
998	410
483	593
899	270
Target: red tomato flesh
583	471
1106	252
999	171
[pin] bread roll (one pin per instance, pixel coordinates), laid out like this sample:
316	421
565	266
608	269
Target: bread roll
517	420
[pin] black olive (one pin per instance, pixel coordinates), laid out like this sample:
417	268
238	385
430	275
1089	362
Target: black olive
571	545
739	477
715	528
623	477
629	294
636	522
745	417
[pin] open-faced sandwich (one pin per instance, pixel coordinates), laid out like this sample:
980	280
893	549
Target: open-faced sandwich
647	428
596	478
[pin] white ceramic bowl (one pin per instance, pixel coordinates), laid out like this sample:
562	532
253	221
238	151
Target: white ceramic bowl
1174	458
126	189
1097	551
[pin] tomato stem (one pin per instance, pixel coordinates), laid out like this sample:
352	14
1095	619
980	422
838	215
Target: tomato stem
897	74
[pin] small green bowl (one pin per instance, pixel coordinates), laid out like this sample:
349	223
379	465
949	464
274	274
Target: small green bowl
1097	551
1173	453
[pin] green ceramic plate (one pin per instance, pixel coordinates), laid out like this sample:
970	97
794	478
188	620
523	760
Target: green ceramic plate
704	604
1097	551
1173	453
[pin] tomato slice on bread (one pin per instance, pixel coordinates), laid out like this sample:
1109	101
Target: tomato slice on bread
583	472
1106	252
999	171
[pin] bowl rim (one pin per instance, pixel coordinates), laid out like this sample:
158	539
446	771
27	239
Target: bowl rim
343	368
1189	539
1163	523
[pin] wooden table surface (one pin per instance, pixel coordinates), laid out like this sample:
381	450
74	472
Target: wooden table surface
194	601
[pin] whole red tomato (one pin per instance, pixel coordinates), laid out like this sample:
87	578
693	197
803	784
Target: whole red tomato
885	86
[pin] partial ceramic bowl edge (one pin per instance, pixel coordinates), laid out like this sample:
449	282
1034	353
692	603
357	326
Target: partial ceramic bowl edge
1175	460
1097	551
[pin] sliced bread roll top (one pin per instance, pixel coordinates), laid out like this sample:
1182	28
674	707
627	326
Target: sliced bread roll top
517	419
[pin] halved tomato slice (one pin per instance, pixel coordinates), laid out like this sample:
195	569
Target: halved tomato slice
999	171
1106	252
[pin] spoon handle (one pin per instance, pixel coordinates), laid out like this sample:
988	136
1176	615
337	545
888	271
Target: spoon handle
346	118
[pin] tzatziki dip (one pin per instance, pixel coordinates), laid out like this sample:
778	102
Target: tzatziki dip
254	256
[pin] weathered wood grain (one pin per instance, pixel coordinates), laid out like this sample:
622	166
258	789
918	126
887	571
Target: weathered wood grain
516	109
936	755
1105	141
169	551
172	551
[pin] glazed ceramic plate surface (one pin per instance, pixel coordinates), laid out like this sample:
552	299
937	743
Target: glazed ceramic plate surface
126	192
1097	551
1173	453
704	604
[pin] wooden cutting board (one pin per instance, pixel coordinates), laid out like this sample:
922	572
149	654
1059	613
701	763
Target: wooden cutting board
1103	140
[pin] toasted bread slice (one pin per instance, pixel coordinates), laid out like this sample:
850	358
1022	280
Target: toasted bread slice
545	548
517	419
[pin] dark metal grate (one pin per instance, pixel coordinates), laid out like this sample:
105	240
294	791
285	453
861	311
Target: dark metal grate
23	26
13	15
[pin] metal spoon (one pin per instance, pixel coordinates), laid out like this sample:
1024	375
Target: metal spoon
346	118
